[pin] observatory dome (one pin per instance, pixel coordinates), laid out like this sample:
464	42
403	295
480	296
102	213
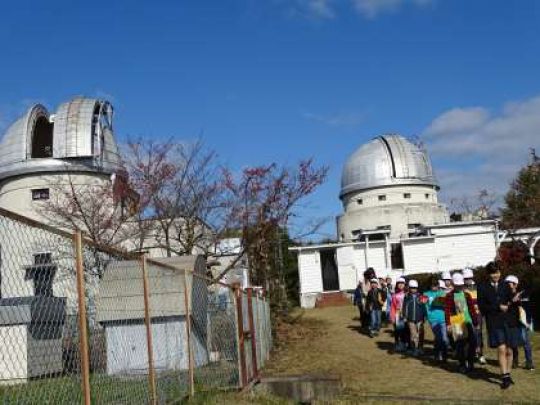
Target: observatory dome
388	160
78	137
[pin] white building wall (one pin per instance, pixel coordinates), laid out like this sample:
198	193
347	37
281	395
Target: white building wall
309	265
458	251
13	353
419	255
347	268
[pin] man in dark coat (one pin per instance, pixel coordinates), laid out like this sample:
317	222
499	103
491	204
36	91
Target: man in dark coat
494	300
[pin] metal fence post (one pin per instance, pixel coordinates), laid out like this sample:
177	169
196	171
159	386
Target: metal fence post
148	324
242	367
187	303
83	332
252	333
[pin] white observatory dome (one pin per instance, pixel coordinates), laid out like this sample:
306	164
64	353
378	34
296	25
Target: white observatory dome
388	160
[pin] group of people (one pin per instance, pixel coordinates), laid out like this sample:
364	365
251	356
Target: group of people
456	309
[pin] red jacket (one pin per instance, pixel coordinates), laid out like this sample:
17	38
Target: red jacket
450	307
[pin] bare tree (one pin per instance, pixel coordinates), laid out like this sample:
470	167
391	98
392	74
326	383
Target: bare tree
261	201
100	207
180	184
481	205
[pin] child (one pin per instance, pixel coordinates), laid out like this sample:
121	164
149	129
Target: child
414	315
524	326
470	287
436	319
358	300
374	304
460	318
396	316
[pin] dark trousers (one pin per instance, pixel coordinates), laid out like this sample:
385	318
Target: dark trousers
466	347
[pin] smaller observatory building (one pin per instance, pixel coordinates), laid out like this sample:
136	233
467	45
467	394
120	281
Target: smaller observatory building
391	221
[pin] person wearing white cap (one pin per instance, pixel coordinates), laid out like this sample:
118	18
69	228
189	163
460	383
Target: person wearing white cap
435	317
447	278
460	320
414	314
400	342
374	304
470	287
518	311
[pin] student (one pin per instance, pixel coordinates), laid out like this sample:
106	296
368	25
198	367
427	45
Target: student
470	287
366	285
389	292
447	278
358	300
503	332
524	325
374	303
384	293
460	318
414	315
436	319
396	317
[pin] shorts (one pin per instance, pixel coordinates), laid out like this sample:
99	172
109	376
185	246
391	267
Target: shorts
504	336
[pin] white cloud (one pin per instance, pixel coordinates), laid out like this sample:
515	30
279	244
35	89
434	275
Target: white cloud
314	9
341	119
372	8
479	149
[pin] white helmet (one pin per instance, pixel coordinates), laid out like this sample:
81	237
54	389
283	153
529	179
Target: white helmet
413	284
468	273
401	280
457	279
446	276
511	279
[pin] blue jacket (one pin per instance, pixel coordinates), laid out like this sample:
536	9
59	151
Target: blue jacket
435	307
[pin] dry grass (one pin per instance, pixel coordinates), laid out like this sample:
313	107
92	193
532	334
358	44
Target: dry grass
327	341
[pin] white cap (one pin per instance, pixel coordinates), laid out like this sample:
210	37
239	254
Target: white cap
413	284
446	276
511	279
441	284
457	279
467	273
374	280
401	280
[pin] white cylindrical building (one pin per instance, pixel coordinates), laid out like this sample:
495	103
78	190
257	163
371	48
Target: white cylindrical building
388	185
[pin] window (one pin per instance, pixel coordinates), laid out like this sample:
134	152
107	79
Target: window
427	196
382	198
359	201
40	194
407	195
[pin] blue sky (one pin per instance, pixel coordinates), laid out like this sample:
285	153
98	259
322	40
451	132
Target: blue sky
278	80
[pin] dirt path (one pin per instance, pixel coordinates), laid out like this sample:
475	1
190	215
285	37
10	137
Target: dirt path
327	341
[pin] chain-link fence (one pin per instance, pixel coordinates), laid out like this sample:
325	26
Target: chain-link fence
81	323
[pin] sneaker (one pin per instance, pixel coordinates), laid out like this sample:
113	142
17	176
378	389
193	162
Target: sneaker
506	382
482	360
529	366
463	370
